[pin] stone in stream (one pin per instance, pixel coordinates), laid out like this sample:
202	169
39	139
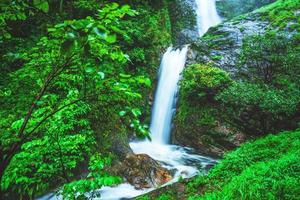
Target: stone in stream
142	171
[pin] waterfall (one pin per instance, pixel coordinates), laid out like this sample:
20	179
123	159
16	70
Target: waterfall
182	161
172	65
207	15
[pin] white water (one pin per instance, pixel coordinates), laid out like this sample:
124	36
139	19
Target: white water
184	161
207	15
171	67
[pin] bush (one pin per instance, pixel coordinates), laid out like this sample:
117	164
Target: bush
259	108
281	14
269	57
201	81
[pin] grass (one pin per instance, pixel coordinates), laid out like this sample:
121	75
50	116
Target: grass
268	168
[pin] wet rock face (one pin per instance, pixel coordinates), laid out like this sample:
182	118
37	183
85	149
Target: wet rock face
142	171
120	146
214	142
221	45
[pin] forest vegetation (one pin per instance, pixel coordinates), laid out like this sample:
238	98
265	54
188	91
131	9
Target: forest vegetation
77	84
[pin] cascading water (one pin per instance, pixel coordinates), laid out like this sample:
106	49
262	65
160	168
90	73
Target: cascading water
182	160
171	66
176	158
207	15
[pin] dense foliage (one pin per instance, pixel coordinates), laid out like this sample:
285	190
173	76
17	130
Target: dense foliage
77	75
75	85
198	107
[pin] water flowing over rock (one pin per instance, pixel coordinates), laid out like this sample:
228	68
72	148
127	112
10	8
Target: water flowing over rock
191	19
207	15
142	171
156	159
165	99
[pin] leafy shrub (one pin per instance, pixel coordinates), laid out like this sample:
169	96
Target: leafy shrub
202	81
268	57
281	13
266	98
258	108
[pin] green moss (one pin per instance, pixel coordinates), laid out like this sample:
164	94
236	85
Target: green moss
197	106
200	83
214	39
216	57
202	80
281	13
213	34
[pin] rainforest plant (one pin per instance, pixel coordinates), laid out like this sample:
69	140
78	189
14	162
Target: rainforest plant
77	64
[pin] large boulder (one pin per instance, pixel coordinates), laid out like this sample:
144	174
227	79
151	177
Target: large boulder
142	171
222	44
214	142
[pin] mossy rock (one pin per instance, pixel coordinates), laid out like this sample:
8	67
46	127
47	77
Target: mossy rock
206	131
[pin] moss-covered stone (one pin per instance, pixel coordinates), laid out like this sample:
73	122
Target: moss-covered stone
283	14
198	122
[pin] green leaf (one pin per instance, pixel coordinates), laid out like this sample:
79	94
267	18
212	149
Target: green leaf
111	39
101	74
122	113
125	75
136	112
147	82
42	5
51	29
17	124
89	69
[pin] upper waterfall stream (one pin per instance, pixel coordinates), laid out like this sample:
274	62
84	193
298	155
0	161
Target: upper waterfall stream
207	15
172	65
182	160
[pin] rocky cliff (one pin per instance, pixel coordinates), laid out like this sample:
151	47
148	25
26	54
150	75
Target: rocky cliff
257	51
